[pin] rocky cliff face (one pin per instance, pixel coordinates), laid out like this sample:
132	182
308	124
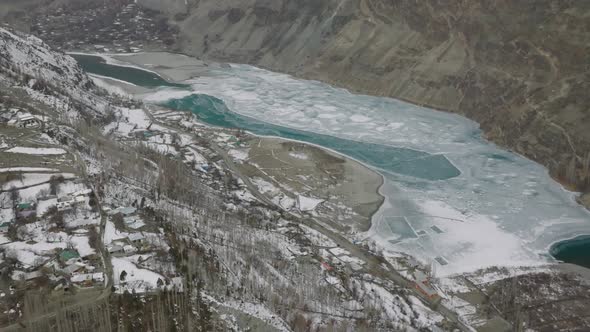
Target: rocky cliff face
519	68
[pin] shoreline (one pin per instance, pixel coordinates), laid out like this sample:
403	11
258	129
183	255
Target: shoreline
136	60
368	171
563	184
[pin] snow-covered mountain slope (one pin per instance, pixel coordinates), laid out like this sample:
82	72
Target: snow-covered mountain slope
32	56
48	76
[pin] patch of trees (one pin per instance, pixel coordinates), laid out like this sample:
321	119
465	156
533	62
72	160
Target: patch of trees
54	182
159	311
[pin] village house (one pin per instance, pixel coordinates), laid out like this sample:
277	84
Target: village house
34	275
6	219
25	210
69	256
98	277
5	117
4	227
28	121
422	283
66	202
136	238
125	211
133	222
72	268
115	249
83	278
129	249
24	120
63	206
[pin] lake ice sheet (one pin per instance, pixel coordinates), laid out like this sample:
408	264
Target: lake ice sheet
501	210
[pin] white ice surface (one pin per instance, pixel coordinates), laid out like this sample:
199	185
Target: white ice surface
511	211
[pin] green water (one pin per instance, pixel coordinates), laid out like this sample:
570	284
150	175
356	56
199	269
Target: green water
97	65
397	160
574	251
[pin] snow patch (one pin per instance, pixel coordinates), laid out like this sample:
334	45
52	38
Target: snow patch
36	151
307	203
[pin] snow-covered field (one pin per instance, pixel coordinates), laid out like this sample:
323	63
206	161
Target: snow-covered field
501	210
140	280
36	151
31	179
240	155
112	234
307	203
82	245
32	254
6	215
27	169
130	120
44	205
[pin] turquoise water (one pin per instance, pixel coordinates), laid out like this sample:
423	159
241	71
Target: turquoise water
575	251
213	111
500	209
397	160
97	65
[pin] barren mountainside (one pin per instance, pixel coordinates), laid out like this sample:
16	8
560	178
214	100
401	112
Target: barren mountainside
519	68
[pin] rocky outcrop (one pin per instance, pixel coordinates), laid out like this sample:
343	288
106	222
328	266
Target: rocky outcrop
519	68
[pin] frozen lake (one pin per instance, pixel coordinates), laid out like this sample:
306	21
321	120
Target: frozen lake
452	198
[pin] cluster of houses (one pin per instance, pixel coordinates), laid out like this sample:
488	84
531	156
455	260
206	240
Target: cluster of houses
65	269
79	271
133	242
60	266
28	210
15	117
68	201
82	27
9	215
